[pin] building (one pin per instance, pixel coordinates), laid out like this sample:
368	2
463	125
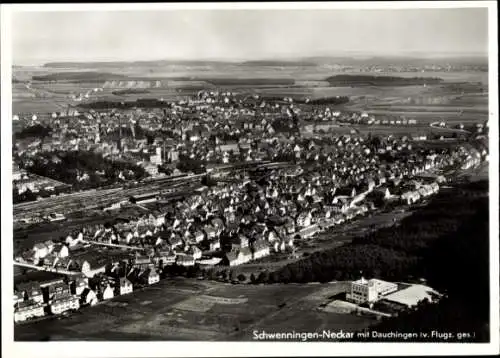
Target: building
410	297
149	277
91	263
237	257
260	249
57	291
64	304
31	291
123	286
40	250
88	297
185	260
151	169
18	298
26	310
78	284
173	156
369	291
106	292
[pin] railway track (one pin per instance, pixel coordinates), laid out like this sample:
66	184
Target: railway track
96	198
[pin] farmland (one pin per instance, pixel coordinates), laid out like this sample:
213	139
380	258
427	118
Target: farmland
184	309
171	80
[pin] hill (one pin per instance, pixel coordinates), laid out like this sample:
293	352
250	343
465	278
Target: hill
90	76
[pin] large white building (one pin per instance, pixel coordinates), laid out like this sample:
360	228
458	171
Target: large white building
368	291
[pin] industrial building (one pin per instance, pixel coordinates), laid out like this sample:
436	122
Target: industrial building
369	291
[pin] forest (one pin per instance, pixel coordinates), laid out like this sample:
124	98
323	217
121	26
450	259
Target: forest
36	131
456	264
395	253
445	243
85	76
367	80
73	163
140	103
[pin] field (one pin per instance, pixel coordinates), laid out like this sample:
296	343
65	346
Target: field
199	310
173	81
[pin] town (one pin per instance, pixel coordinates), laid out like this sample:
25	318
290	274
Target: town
217	180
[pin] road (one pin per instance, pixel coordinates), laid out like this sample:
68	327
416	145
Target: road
114	245
42	268
435	125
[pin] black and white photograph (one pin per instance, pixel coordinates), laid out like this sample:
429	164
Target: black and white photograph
238	179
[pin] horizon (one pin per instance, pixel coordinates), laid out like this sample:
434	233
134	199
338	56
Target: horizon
246	35
354	56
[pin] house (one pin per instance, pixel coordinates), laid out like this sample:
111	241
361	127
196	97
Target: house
123	286
304	219
64	304
229	147
199	236
57	291
260	249
60	251
149	277
40	250
18	297
239	242
234	258
88	297
89	263
142	262
50	245
214	245
425	191
92	268
410	197
50	260
174	241
78	284
105	291
185	260
27	310
195	252
31	291
165	258
210	232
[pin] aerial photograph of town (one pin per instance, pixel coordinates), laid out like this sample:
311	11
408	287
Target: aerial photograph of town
251	175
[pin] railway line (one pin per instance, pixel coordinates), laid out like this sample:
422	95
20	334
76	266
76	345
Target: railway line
95	199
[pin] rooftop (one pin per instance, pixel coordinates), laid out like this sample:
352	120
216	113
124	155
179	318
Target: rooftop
412	295
40	277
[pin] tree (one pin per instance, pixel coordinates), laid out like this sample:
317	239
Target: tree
253	279
241	277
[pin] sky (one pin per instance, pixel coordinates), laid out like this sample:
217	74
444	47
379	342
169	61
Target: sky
39	37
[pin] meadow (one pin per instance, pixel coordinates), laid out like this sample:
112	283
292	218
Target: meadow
184	309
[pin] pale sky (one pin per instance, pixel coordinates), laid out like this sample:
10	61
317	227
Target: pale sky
39	37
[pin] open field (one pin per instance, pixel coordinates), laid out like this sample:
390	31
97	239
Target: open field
176	81
166	311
